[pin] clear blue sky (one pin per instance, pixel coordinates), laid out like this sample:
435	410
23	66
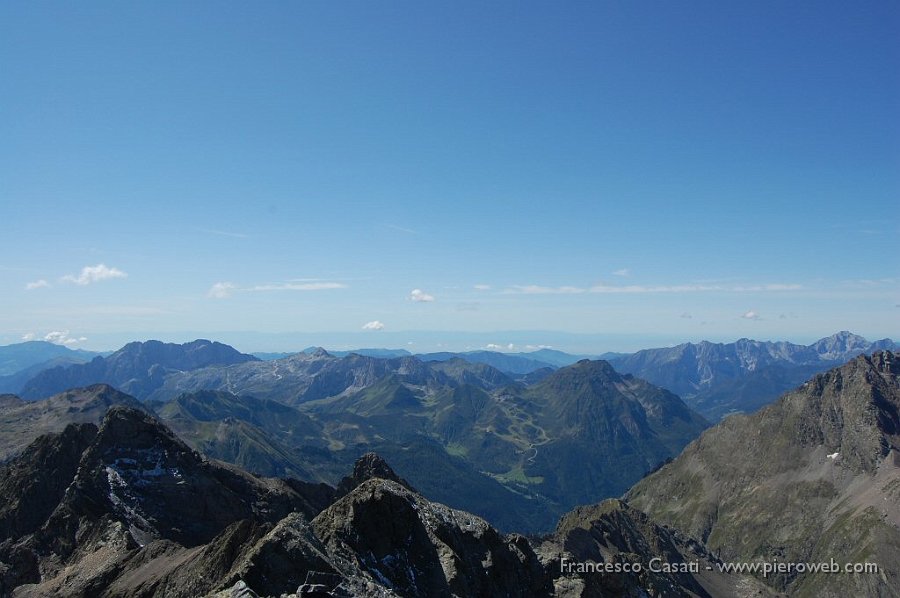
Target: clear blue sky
642	172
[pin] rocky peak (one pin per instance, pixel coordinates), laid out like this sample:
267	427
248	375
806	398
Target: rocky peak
420	548
369	466
583	374
840	343
128	428
319	353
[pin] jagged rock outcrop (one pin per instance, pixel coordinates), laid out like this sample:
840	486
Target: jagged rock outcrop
367	467
419	548
615	535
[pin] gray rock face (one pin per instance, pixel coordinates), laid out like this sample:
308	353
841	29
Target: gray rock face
419	548
369	466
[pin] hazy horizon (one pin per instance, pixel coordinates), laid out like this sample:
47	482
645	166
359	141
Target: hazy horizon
510	341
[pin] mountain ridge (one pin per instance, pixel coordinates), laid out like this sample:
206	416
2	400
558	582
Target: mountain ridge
813	476
138	368
707	375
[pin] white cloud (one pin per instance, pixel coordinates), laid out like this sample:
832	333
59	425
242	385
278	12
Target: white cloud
420	296
496	347
61	337
295	286
622	272
751	315
90	274
37	284
221	290
373	325
28	336
767	287
603	288
634	288
482	287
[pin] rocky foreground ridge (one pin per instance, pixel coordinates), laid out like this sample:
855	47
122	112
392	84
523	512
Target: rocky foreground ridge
127	509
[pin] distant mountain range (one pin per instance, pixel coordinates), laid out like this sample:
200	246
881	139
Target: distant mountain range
509	363
20	362
17	357
138	368
813	477
721	378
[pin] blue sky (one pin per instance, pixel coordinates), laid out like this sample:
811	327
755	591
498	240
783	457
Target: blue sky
623	174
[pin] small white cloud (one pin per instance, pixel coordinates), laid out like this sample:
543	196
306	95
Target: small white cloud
622	272
496	347
373	325
482	287
28	336
61	337
221	290
420	296
37	284
751	315
605	288
90	274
